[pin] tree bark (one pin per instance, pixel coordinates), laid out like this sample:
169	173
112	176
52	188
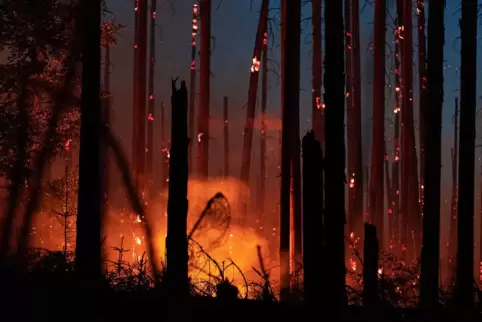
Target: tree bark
429	286
452	242
465	227
317	110
335	154
264	107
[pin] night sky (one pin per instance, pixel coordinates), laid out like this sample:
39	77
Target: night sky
233	27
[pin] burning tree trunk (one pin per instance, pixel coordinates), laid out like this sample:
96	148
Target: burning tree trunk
176	241
150	108
465	227
356	219
192	84
251	106
432	116
226	137
378	132
453	206
141	83
313	250
335	154
264	106
410	187
422	80
205	90
370	268
317	70
90	203
291	15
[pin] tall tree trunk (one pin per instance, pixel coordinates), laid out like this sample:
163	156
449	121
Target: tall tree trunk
226	136
205	90
395	204
452	242
313	250
192	88
135	94
251	106
378	131
465	227
90	201
291	20
388	189
165	151
335	154
370	269
141	81
422	80
480	230
176	241
432	116
106	106
264	107
151	104
357	219
317	110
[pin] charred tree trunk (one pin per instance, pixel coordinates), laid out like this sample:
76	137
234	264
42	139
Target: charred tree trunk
357	218
205	90
465	227
370	267
378	131
251	106
452	242
264	107
135	94
226	136
480	231
422	80
291	16
176	241
335	154
317	110
90	201
313	250
151	105
429	286
165	152
192	88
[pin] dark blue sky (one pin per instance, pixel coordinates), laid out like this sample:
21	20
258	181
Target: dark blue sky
234	27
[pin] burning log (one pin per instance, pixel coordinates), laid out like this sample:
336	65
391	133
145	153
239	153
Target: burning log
335	155
376	182
429	286
205	90
312	219
177	207
251	106
465	224
370	267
